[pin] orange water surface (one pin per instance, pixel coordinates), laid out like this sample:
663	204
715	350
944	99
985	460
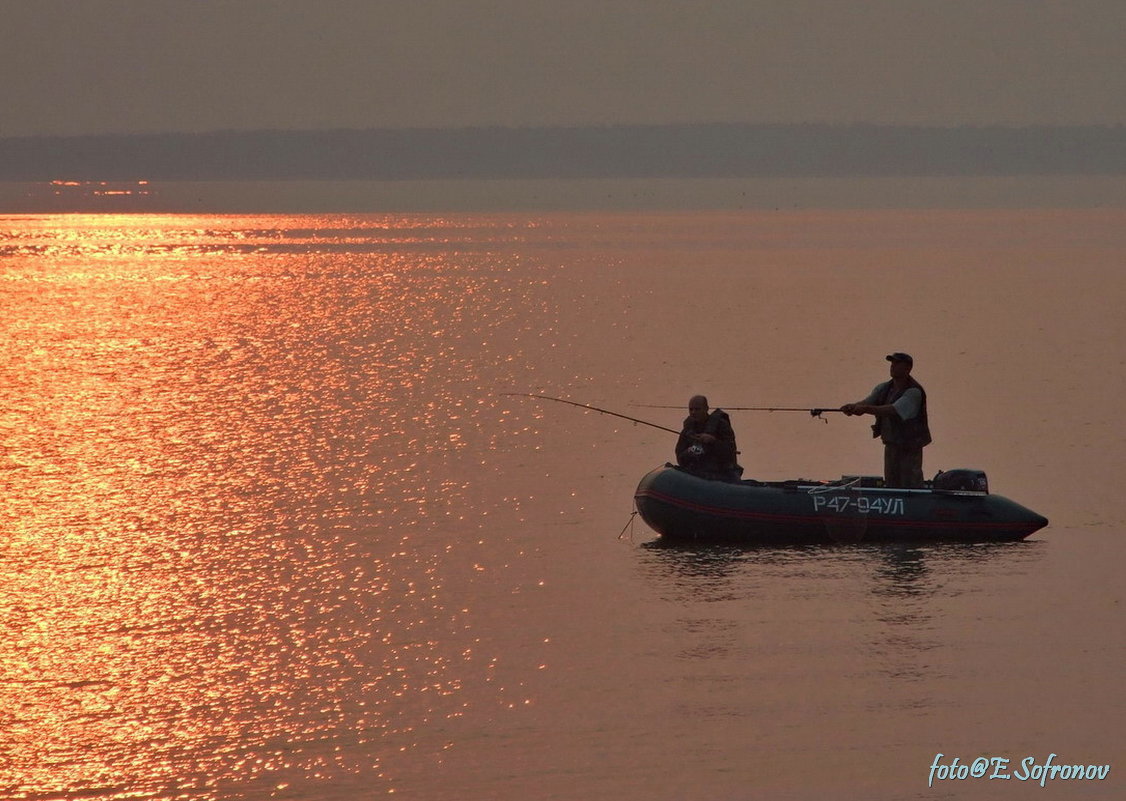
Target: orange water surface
270	527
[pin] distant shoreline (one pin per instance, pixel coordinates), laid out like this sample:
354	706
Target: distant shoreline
654	194
703	151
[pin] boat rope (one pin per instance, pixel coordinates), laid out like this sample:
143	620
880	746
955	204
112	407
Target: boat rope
629	525
593	409
835	485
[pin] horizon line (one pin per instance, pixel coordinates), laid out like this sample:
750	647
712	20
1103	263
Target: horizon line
584	127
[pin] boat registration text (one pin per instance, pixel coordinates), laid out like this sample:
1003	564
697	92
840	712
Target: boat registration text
861	504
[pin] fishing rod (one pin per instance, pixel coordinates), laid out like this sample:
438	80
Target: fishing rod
817	412
592	408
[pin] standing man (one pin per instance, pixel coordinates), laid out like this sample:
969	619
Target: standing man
900	409
706	445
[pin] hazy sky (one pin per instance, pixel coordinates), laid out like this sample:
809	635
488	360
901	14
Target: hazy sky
98	66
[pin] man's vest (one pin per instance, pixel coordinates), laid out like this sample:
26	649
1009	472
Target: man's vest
913	433
721	454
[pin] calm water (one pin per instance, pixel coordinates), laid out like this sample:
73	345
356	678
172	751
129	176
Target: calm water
270	529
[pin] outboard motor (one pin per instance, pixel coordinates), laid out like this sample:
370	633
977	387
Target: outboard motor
961	480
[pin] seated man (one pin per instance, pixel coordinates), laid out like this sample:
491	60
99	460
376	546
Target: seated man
706	446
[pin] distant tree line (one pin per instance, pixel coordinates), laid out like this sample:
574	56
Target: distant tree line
627	151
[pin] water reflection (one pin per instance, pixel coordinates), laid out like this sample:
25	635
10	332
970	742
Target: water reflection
235	490
887	601
267	531
895	569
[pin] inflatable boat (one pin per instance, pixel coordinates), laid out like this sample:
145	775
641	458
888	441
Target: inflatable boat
955	507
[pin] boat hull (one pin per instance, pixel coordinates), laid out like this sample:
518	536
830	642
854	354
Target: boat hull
681	506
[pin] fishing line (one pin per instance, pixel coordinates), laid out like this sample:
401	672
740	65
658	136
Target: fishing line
815	412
